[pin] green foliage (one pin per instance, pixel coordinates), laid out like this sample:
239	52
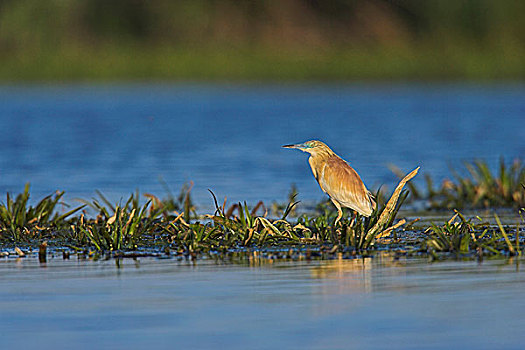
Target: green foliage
203	21
122	230
207	39
254	230
130	226
453	236
482	188
18	221
172	204
121	226
465	237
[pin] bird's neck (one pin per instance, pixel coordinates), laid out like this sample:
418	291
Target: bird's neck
323	153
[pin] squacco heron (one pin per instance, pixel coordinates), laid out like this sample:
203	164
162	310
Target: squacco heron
337	179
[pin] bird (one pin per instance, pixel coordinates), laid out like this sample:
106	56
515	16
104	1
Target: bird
337	179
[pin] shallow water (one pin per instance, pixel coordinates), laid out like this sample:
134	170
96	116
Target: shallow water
117	138
341	304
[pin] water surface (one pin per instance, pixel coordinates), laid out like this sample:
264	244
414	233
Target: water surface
117	138
341	304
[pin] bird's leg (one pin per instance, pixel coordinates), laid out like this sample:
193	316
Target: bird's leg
339	211
353	218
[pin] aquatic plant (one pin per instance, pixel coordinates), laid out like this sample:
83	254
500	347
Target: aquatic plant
452	236
481	188
513	248
18	221
465	237
117	226
171	204
246	228
122	230
120	226
123	226
168	206
130	225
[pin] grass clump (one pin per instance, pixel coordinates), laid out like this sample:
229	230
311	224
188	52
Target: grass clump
171	224
480	188
226	230
130	225
483	188
122	230
462	237
171	204
454	237
118	226
19	222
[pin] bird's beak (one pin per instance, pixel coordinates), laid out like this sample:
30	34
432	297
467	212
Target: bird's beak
298	146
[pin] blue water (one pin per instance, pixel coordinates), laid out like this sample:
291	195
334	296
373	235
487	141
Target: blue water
372	303
118	138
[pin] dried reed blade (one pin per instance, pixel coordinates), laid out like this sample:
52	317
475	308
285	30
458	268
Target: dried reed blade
391	205
505	236
19	252
389	230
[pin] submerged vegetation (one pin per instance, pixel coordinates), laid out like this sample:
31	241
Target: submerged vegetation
172	225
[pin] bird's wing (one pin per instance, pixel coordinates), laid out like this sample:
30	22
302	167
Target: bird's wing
342	183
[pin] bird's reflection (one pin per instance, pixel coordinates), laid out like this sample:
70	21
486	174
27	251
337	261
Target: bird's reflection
352	276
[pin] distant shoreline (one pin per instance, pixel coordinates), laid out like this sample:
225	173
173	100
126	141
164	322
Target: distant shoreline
142	64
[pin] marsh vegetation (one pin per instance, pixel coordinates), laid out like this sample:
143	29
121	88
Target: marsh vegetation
172	226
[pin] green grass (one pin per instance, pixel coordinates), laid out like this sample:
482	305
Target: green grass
463	237
172	225
19	221
480	188
122	230
131	225
126	226
483	188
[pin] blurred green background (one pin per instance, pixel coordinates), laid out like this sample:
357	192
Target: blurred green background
262	40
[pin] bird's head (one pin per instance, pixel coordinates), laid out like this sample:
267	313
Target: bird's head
313	147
